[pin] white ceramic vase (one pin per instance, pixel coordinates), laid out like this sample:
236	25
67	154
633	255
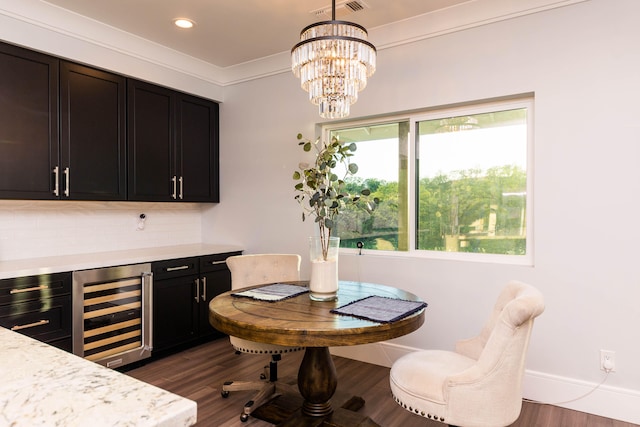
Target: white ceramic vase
323	285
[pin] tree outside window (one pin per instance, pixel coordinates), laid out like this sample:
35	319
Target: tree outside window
470	174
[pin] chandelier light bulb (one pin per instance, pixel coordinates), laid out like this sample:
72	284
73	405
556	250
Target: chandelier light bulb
333	60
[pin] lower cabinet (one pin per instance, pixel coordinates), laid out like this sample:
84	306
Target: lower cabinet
182	290
39	307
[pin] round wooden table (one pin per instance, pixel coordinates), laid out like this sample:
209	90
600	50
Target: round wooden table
299	321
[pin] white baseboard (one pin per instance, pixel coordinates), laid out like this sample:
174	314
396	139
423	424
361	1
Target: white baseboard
605	401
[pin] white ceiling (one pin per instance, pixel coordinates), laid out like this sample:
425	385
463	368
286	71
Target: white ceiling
231	32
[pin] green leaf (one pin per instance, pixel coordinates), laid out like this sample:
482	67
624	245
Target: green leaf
353	146
328	223
299	136
353	168
307	146
365	192
296	175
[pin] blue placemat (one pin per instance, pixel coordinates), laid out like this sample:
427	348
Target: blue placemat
380	309
274	292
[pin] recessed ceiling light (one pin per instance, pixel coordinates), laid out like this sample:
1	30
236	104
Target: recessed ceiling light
184	23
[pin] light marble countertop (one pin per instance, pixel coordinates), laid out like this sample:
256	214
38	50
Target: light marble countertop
43	386
57	264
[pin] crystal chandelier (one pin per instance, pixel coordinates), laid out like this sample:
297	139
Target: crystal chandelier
333	61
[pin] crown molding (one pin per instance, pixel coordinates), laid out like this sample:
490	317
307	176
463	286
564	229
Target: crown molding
48	28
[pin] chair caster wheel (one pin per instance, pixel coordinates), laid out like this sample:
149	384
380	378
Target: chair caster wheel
224	394
244	418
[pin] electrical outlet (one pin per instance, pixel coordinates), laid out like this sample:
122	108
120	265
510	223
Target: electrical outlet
140	222
607	360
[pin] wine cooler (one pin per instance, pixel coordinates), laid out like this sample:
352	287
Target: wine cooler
112	314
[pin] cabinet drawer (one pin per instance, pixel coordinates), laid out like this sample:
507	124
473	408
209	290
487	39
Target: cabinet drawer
175	268
45	320
32	288
215	262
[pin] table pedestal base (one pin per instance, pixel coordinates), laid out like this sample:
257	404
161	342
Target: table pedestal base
286	411
317	382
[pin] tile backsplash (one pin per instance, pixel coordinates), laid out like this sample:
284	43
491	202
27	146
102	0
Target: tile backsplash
33	229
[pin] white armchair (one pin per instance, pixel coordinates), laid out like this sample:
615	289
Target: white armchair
249	270
480	383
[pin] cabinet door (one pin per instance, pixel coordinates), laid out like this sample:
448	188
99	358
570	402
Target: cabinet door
216	279
213	284
28	123
197	149
151	156
174	311
93	154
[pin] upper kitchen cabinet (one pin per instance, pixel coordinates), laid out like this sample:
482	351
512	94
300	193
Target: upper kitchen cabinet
172	145
62	129
93	134
29	146
73	132
197	135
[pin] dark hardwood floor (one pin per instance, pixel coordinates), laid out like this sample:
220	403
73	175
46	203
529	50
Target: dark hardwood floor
198	373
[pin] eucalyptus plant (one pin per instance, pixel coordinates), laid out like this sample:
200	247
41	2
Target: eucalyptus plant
320	191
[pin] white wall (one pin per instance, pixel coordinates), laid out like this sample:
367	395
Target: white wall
582	63
32	229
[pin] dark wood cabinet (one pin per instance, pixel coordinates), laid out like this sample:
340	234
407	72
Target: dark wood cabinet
150	142
73	132
62	129
173	145
182	290
38	306
93	137
216	279
29	147
197	149
174	312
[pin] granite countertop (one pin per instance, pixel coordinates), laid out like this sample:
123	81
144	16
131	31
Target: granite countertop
57	264
41	385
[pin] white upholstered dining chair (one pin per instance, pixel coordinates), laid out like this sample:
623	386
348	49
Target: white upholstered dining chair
249	270
480	383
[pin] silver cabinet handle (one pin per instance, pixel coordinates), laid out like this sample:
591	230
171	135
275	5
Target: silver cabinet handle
197	297
66	181
204	289
30	325
56	185
35	288
218	262
180	179
182	267
173	180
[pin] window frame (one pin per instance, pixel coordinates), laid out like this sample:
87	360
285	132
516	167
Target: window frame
480	107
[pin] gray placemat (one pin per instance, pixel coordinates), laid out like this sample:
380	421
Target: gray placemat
380	309
272	293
